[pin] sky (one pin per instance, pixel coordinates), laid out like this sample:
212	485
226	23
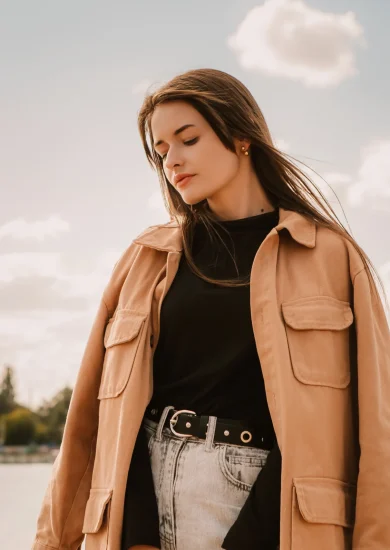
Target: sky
76	187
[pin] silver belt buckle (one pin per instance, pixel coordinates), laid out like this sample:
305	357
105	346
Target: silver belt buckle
174	417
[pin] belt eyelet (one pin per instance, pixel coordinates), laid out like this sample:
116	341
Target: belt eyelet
242	436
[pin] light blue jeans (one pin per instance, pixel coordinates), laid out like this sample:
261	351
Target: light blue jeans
200	485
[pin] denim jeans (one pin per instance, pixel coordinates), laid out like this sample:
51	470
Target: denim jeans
200	485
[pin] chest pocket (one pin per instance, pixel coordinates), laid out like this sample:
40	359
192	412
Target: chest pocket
318	339
121	340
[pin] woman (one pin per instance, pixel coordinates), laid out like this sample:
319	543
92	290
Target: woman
197	379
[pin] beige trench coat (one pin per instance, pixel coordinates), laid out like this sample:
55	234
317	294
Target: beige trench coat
315	325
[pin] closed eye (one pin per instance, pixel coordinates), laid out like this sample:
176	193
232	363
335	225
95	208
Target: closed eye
190	142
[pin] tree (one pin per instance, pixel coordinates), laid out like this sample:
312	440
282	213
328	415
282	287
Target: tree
7	391
19	427
53	415
42	435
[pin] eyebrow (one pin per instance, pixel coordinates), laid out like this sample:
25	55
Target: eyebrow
175	133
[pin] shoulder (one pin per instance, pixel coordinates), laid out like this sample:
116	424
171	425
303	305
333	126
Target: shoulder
133	249
156	228
128	259
336	247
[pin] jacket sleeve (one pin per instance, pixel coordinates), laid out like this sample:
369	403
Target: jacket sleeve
258	523
60	520
372	525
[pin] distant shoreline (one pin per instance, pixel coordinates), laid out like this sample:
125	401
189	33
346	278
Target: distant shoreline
27	459
25	455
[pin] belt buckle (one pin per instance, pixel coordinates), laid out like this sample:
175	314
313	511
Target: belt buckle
174	416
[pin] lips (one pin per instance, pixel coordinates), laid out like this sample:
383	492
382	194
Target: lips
179	177
184	181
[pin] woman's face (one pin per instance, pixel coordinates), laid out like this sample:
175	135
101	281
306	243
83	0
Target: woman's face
195	150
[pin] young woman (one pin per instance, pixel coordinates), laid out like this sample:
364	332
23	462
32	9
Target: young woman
235	388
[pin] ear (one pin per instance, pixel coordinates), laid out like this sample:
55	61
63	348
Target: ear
239	143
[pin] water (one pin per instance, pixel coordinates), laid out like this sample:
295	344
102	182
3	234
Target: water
22	487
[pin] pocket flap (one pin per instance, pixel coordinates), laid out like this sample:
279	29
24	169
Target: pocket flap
94	511
326	500
317	312
123	328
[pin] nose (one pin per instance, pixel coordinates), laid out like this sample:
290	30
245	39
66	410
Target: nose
172	159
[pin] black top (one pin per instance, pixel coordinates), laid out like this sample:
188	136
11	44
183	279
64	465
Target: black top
206	361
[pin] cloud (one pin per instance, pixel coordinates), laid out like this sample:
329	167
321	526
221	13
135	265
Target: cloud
46	315
38	293
282	145
39	230
30	328
90	284
47	312
32	267
141	87
373	179
289	39
45	350
334	186
28	264
155	202
370	186
337	178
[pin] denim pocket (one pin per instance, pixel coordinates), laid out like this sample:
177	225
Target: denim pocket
241	465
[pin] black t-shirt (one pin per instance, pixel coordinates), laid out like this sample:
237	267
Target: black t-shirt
206	361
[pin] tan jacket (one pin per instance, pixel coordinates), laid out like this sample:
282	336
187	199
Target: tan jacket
315	325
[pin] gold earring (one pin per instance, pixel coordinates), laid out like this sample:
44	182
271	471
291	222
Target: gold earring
243	149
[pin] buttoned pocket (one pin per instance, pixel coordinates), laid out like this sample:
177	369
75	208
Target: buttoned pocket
318	339
121	340
96	519
323	510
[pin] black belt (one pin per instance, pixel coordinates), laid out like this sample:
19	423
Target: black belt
184	423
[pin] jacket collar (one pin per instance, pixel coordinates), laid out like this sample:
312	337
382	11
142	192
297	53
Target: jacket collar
168	237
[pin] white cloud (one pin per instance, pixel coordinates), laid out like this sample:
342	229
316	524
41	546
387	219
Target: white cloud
337	178
44	266
155	201
46	315
156	204
281	144
373	179
45	350
31	327
335	187
89	284
287	38
39	230
141	87
28	264
371	184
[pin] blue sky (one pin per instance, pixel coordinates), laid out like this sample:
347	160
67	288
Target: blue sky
76	187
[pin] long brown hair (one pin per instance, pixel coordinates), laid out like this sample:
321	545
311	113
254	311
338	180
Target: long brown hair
232	112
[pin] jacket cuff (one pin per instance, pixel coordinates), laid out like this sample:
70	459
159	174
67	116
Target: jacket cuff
37	545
